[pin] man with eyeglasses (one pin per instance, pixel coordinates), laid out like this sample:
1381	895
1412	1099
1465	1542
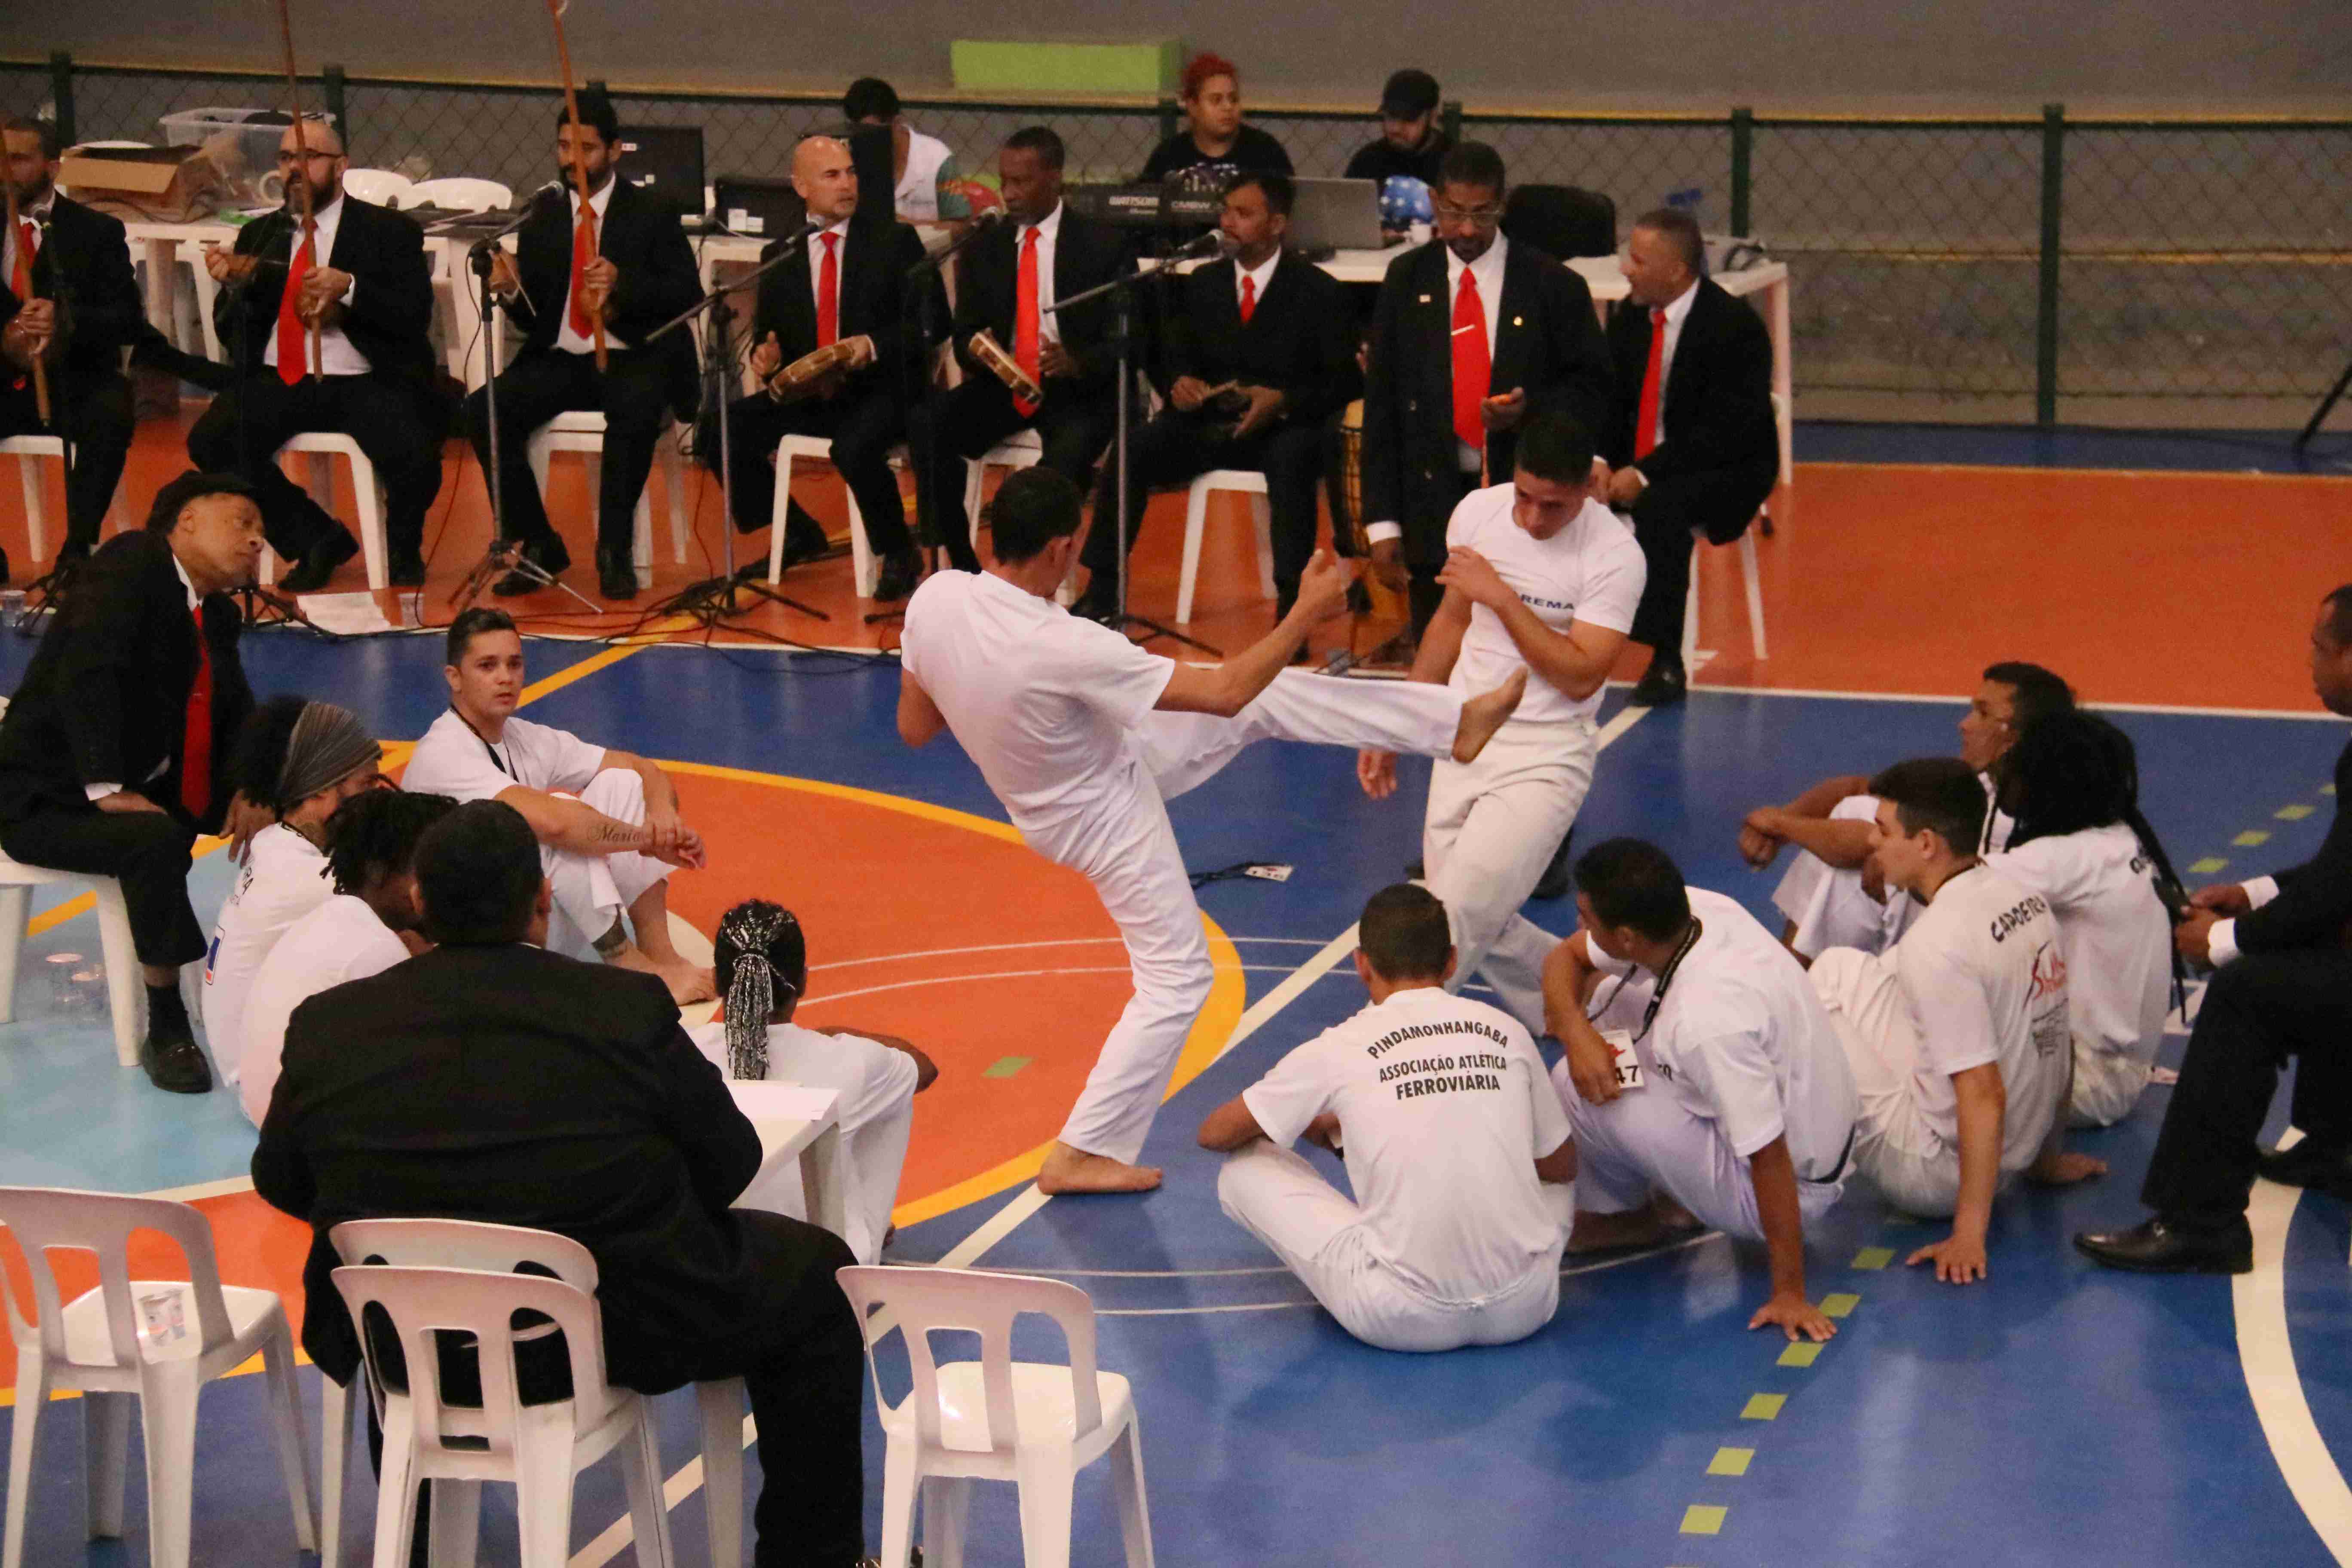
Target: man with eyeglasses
1472	335
328	333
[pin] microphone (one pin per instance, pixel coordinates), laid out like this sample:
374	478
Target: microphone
980	222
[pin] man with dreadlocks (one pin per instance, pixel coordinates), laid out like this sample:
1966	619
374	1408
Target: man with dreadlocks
302	760
762	972
369	924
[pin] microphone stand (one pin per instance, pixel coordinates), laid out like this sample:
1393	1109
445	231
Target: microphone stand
713	599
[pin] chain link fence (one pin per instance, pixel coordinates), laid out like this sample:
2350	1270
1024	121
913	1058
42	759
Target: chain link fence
2019	269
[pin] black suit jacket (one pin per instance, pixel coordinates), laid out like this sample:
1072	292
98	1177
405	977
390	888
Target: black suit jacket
642	238
510	1085
2313	907
1718	411
1297	340
1086	255
1547	341
391	310
875	293
85	261
106	697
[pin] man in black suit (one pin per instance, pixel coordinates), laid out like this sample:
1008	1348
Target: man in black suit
851	288
2281	950
1472	333
1258	358
367	290
1012	275
633	272
488	1079
68	297
1692	441
116	749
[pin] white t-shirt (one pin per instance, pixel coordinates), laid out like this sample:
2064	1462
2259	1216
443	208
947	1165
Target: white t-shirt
871	1078
2112	931
1591	571
1986	981
1444	1108
452	760
285	878
1742	1040
342	939
1043	703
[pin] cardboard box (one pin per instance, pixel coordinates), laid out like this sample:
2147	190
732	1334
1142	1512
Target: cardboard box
161	184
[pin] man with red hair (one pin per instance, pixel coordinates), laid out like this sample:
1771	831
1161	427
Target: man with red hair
1214	145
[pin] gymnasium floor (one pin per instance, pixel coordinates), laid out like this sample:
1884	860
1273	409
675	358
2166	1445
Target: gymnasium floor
2056	1413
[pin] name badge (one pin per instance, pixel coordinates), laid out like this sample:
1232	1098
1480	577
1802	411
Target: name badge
1627	1065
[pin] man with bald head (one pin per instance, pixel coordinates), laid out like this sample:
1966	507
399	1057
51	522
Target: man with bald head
849	289
369	373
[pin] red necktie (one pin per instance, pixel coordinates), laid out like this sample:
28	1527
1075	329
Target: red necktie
292	360
1645	415
583	251
20	276
828	293
1249	298
1025	318
197	742
1473	364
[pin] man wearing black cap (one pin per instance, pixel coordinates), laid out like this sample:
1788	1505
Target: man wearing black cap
1411	143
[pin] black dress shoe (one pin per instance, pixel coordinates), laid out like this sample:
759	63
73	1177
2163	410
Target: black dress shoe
2159	1246
2322	1167
616	575
318	564
1553	883
1662	685
1091	605
407	570
898	576
547	554
173	1060
801	547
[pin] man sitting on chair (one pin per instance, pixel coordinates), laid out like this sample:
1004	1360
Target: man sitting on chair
1694	446
1259	357
849	289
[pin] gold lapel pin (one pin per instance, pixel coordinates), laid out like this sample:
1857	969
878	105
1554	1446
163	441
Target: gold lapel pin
1424	299
1517	321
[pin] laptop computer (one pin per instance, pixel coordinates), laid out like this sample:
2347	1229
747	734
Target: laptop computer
667	160
757	207
1344	214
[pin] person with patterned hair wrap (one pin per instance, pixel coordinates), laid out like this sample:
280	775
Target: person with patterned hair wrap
762	969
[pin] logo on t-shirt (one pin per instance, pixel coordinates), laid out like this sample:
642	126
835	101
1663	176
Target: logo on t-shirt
2017	914
2050	1026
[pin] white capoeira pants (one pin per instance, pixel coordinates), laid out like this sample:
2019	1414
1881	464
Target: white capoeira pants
2107	1083
1491	827
1124	845
593	891
1894	1144
1827	905
1276	1195
875	1153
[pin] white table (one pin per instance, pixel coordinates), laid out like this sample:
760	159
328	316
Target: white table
798	1127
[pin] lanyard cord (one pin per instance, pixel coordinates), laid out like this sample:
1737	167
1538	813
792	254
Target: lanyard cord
496	761
1665	978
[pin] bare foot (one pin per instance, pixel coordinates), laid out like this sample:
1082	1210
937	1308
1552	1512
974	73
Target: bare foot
2065	1170
1608	1232
1672	1216
1069	1170
1484	714
686	984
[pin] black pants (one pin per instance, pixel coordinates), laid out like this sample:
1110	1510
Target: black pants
1424	594
861	427
632	395
241	433
1177	448
146	851
1074	426
1720	504
93	413
2259	1011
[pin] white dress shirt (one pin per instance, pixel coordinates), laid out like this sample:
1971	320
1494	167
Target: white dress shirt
2221	941
195	603
1259	277
1048	231
567	340
1676	314
336	355
1488	270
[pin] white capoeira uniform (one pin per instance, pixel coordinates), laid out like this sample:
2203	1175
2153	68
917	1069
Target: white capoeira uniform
285	878
1057	714
1739	1051
1493	823
876	1113
1979	977
340	941
2116	936
591	891
1444	1110
1827	905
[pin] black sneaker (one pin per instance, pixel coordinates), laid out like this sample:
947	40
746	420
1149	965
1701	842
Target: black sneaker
318	564
547	554
406	570
173	1060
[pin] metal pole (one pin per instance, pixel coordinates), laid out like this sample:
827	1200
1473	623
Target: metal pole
2045	320
1743	147
61	95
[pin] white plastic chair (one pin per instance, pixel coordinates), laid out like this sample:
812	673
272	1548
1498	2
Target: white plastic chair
500	1249
158	1341
1196	511
583	432
30	452
323	447
459	192
1033	1423
866	569
382	186
1021	449
126	995
1749	567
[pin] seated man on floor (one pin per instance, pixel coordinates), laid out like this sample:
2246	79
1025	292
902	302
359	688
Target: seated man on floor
1707	1085
1438	1105
763	974
490	1079
368	923
1828	894
302	760
1959	1036
607	821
